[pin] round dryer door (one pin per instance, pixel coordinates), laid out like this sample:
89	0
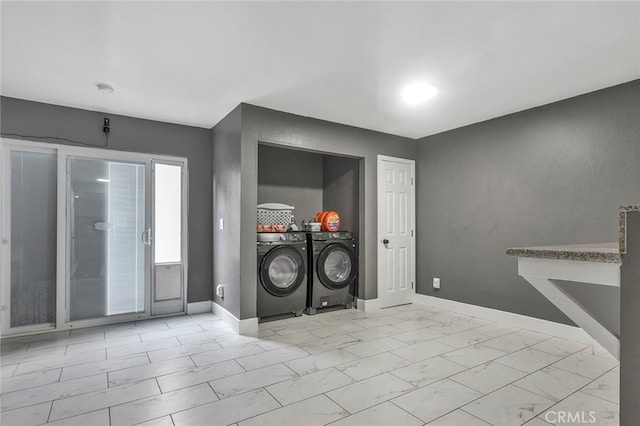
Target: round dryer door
336	266
282	271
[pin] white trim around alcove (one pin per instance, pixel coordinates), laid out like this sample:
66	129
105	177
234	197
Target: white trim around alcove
245	327
368	305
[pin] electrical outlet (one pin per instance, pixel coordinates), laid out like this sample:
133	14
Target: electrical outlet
436	283
220	291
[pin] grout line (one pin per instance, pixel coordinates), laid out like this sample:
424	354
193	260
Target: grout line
391	401
50	410
456	409
213	390
596	379
338	404
275	399
484	421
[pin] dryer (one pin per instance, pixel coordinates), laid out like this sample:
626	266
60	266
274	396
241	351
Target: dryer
282	273
333	270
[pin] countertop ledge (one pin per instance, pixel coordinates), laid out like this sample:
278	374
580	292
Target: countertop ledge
599	252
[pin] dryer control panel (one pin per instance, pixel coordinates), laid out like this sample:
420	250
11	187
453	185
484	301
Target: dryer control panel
326	236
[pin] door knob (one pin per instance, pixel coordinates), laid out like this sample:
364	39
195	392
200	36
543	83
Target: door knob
385	241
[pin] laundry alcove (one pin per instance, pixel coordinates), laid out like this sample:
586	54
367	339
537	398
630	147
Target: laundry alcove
311	182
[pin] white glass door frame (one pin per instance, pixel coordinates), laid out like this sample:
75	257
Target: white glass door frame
63	285
63	153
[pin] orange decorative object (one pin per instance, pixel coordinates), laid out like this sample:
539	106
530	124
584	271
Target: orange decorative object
330	221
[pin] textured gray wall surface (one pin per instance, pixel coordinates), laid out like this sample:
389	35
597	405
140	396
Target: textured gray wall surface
294	131
341	177
291	177
629	320
550	175
341	194
135	135
226	205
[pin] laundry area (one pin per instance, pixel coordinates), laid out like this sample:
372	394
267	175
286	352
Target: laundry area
308	217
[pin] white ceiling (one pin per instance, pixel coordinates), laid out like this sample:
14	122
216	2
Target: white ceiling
192	63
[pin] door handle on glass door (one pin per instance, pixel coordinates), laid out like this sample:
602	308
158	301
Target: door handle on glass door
146	237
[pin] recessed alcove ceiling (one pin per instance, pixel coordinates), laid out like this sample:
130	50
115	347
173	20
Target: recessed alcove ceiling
193	62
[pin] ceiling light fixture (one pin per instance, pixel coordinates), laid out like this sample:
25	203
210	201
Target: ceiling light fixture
417	93
103	180
105	89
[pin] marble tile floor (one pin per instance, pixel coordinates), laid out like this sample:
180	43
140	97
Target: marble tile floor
407	365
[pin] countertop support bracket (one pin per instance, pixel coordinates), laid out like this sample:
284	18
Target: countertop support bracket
605	274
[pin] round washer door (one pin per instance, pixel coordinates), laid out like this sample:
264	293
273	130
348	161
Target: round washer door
336	266
282	270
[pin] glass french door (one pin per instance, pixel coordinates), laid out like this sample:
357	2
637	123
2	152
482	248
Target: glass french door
107	238
90	237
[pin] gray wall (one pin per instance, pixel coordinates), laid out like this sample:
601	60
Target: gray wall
550	175
226	205
132	134
340	177
341	181
311	182
291	177
293	131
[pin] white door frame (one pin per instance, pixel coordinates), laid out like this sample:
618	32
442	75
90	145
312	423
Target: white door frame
380	229
184	249
63	152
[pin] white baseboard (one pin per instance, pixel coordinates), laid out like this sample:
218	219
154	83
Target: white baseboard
368	305
199	307
551	328
246	327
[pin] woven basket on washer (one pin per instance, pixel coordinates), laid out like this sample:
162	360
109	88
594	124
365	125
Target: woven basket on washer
275	214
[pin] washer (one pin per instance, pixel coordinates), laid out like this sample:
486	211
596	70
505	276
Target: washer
333	270
282	273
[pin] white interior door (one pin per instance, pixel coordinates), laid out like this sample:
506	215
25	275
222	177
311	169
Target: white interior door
396	225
